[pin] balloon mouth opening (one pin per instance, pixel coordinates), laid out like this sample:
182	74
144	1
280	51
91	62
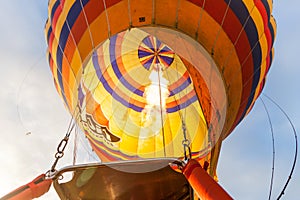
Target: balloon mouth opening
138	98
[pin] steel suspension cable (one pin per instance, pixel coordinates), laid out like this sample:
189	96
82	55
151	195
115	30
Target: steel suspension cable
296	146
273	148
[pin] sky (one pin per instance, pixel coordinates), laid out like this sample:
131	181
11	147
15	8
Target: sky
33	119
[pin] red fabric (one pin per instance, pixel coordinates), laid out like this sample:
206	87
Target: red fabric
34	189
204	185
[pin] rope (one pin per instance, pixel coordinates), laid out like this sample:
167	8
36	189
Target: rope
129	14
153	12
177	12
219	31
185	141
161	110
199	21
108	24
75	146
296	146
273	148
88	25
20	89
72	122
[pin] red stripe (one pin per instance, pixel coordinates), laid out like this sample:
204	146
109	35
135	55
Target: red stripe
112	2
264	14
233	28
260	6
56	16
50	42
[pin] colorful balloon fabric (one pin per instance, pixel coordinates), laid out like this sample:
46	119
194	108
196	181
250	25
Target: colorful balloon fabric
144	77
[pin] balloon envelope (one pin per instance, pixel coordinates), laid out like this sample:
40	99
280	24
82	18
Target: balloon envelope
144	78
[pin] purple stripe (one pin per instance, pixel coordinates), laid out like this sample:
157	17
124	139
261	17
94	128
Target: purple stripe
111	90
148	43
181	87
167	59
183	105
143	53
112	48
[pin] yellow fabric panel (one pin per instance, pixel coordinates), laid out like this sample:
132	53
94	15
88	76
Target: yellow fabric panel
54	50
159	146
67	89
165	12
200	141
141	8
258	89
270	3
177	67
46	30
76	65
147	147
55	69
133	38
129	144
255	15
70	50
68	93
118	17
194	112
265	53
50	7
67	75
174	140
73	88
62	17
101	96
169	139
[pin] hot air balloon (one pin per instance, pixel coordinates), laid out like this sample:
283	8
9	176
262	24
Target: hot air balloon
159	79
147	79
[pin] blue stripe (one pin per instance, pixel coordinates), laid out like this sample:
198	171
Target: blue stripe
116	68
48	34
125	103
148	43
183	105
181	87
143	53
267	7
54	8
271	58
111	90
242	14
64	34
272	31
